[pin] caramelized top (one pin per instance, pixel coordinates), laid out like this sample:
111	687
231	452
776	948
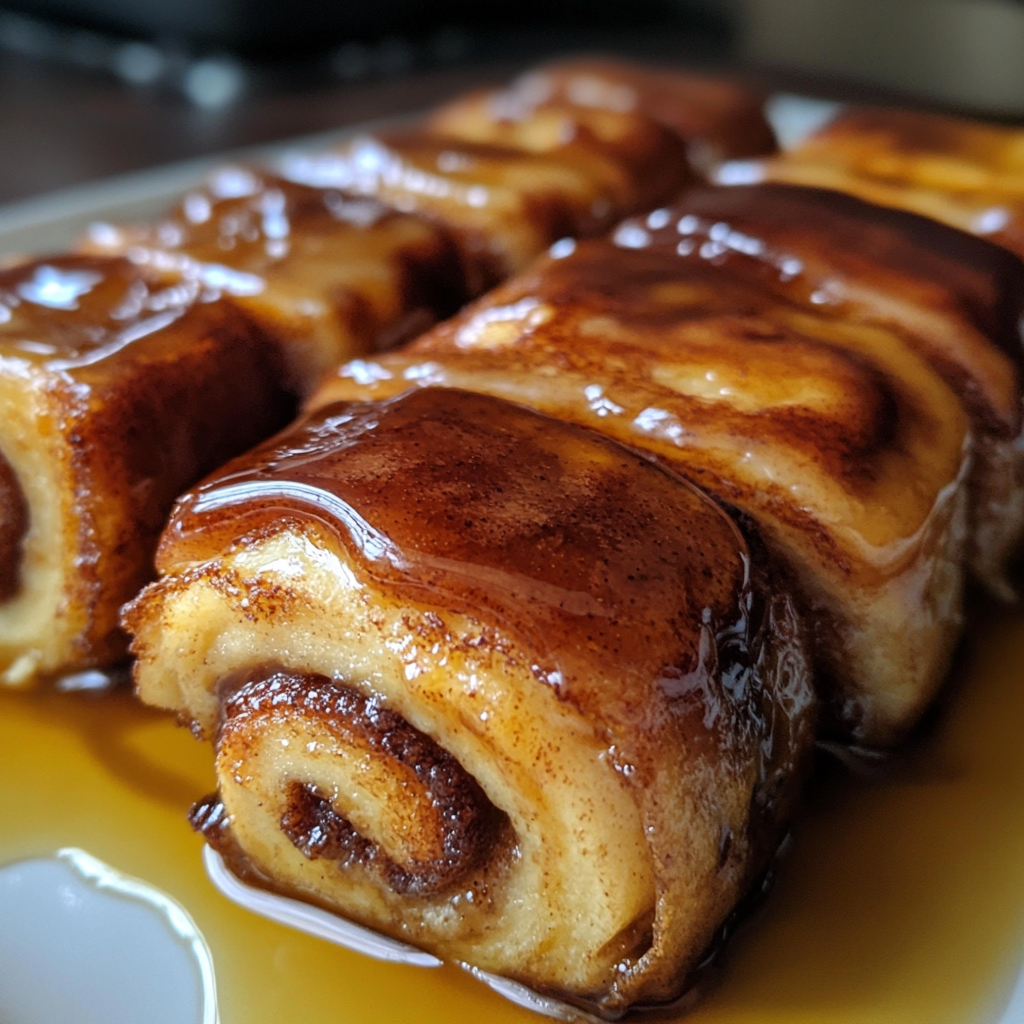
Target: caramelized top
964	173
837	430
719	118
603	576
247	218
83	315
613	574
839	254
244	224
507	204
580	547
924	148
625	149
310	252
145	387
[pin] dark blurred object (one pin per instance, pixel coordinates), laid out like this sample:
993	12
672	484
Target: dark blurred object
276	27
965	53
76	105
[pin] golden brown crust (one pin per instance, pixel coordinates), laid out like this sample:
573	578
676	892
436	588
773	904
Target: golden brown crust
505	205
844	445
646	328
120	392
597	578
959	298
330	276
635	159
963	173
720	119
514	493
510	175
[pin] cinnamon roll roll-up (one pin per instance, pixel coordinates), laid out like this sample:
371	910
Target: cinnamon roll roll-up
957	299
718	119
488	682
964	173
837	437
118	392
508	183
330	276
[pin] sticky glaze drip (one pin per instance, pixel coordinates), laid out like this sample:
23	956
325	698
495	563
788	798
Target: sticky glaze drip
13	527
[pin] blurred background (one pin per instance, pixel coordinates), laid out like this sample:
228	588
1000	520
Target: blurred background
90	88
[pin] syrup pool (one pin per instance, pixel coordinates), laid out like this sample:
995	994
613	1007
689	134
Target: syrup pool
901	899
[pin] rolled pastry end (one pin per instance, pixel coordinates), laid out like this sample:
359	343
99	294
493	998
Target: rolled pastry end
118	391
466	810
487	682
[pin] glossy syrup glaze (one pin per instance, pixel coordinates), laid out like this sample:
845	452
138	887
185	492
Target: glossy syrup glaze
617	585
718	118
840	255
758	399
583	548
634	156
69	317
115	342
72	312
929	148
253	219
507	518
963	173
505	203
306	261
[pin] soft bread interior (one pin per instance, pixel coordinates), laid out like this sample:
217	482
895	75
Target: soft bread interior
573	883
